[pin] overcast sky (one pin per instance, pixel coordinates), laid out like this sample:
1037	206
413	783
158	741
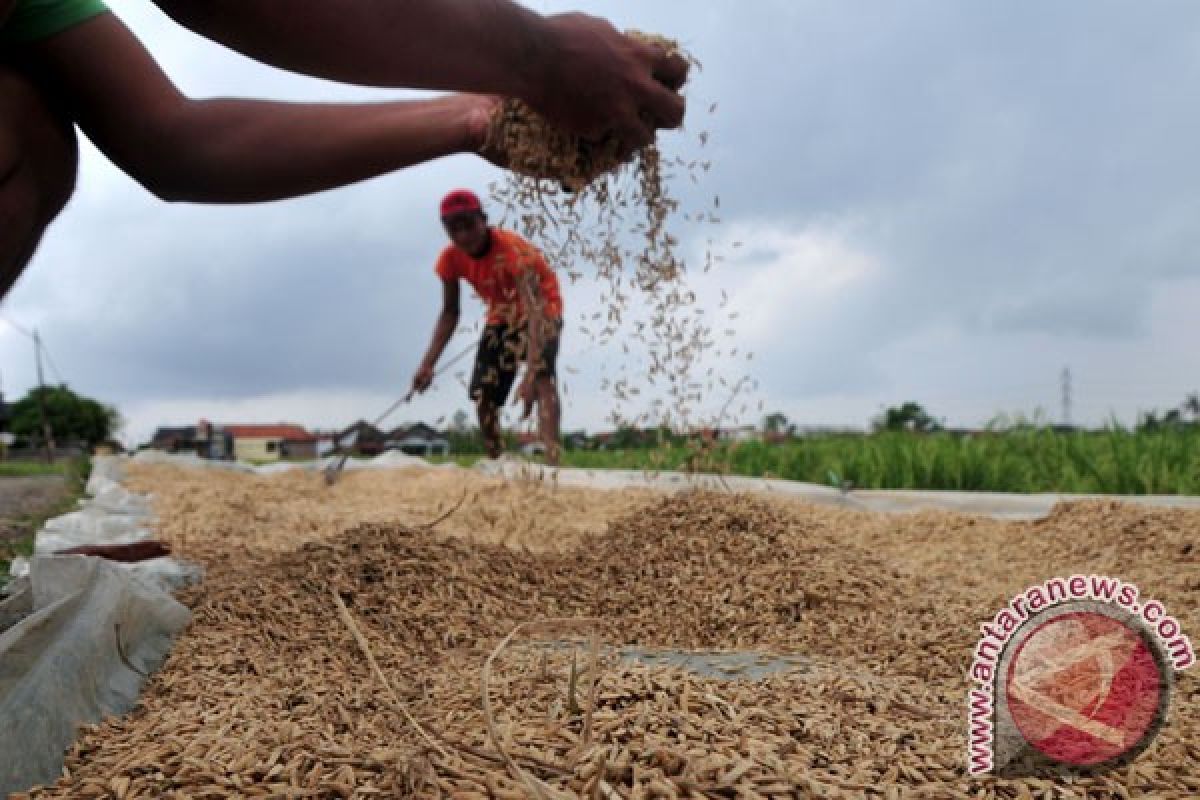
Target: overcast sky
945	202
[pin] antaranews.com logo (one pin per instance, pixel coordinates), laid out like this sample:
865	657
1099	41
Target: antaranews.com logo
1075	674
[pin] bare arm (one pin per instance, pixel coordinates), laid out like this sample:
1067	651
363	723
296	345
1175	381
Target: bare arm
536	324
576	69
491	46
443	330
236	150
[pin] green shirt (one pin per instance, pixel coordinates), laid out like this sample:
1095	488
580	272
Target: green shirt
31	20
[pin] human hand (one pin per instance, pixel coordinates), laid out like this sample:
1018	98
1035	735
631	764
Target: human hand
477	113
598	82
423	378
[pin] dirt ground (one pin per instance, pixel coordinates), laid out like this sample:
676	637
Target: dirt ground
26	497
269	693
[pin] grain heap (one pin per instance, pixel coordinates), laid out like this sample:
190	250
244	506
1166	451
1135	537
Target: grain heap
214	514
617	221
268	692
527	144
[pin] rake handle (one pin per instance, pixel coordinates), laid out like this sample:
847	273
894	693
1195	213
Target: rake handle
334	469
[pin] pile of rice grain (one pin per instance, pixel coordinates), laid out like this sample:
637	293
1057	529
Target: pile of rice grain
267	693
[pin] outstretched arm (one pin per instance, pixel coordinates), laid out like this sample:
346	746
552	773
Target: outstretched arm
236	150
576	69
483	46
444	329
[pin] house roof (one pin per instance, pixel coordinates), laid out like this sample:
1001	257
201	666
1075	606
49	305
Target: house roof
366	431
420	430
290	433
175	433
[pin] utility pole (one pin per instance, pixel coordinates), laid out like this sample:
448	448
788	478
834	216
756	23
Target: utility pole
47	434
1066	395
5	436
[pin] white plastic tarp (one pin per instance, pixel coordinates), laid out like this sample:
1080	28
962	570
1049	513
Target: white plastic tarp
989	504
91	631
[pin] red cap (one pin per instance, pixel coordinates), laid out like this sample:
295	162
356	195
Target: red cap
460	201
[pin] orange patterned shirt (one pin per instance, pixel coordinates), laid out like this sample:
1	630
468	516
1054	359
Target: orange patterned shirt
493	277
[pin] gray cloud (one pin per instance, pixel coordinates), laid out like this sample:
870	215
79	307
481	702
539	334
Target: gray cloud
1023	177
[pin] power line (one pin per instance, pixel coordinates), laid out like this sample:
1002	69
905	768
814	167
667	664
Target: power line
41	400
18	328
40	343
50	360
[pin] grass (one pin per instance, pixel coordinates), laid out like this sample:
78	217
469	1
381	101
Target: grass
1036	460
23	469
1024	460
76	472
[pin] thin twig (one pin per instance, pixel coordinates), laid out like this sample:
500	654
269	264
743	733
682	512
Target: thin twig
344	613
496	758
518	773
572	682
537	788
601	774
594	672
431	525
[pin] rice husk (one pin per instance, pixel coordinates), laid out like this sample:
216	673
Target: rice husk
270	693
620	226
526	143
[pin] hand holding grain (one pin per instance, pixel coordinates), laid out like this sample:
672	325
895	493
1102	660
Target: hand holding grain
601	82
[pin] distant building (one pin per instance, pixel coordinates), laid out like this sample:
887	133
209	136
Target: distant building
299	448
213	441
418	440
203	439
264	443
825	430
109	448
175	440
326	443
576	441
6	438
744	433
362	439
625	438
